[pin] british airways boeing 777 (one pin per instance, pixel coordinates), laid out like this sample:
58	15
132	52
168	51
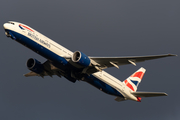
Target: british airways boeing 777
79	66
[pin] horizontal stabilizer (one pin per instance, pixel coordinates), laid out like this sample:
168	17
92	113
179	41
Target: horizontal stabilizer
118	99
148	94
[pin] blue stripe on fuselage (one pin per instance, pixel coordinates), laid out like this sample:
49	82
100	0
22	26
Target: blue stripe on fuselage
102	86
62	63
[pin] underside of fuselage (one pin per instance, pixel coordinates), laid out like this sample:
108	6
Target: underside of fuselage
61	63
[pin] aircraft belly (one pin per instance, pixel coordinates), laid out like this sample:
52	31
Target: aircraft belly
102	86
62	63
58	61
41	50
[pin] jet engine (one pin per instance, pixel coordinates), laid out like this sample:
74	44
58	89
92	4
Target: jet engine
80	60
35	66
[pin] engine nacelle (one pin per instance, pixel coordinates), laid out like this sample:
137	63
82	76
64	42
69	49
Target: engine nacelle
35	66
80	60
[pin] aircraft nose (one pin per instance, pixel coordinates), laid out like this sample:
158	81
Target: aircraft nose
5	25
8	33
8	25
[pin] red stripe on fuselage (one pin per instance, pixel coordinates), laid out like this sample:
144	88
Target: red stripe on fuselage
138	74
129	85
26	27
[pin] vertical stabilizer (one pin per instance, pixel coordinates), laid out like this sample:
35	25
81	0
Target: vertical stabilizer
133	81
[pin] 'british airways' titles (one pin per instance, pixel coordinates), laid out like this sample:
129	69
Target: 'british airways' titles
37	39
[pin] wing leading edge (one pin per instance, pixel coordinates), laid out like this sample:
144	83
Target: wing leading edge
106	62
99	63
49	70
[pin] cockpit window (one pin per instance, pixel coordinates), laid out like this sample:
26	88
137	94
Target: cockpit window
11	23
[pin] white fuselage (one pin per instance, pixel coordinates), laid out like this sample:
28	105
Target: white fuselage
50	45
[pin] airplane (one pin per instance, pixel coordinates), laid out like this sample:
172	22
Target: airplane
78	66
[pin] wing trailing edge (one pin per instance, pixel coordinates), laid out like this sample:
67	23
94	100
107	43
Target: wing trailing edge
118	61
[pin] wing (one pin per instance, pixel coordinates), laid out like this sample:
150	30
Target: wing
148	94
49	70
117	61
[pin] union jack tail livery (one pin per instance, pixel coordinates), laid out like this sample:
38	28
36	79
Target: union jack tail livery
133	81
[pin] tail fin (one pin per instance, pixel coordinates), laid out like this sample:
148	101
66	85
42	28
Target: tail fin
133	81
